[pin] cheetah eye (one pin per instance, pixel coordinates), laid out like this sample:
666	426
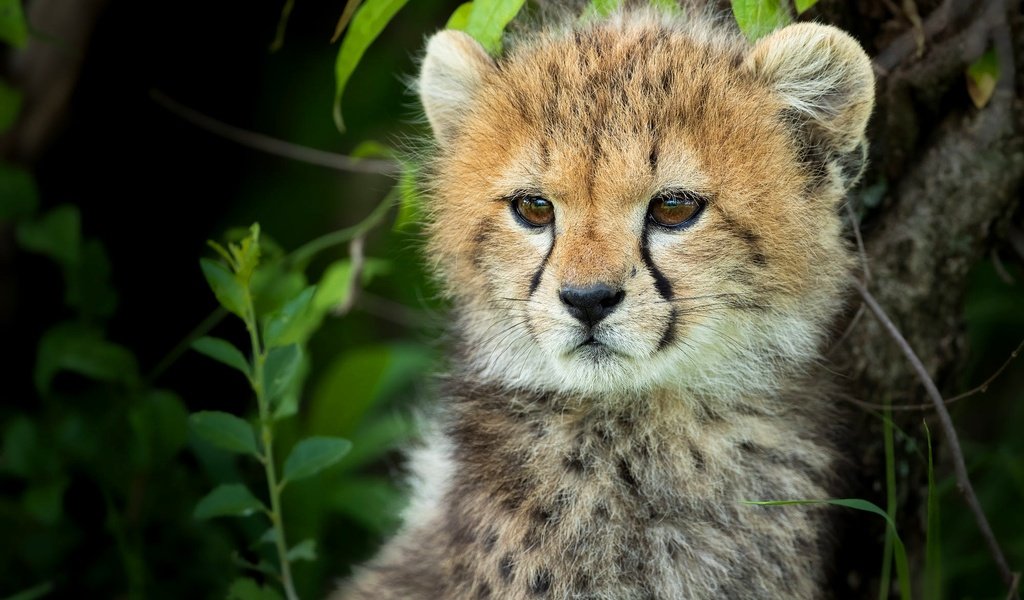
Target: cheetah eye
676	209
534	211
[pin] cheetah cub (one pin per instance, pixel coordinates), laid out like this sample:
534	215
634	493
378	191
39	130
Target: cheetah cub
637	222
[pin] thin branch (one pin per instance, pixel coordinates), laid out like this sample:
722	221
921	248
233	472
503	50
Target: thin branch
860	242
1014	587
346	16
981	389
894	54
997	264
962	479
271	145
282	25
849	329
389	310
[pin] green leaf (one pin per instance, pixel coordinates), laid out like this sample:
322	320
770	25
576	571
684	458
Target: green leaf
159	421
281	371
269	537
368	22
488	20
409	202
225	431
89	285
229	500
45	501
371	149
247	589
18	195
293	322
10	106
376	437
223	351
304	550
373	501
803	5
57	234
20	445
460	17
335	286
13	28
273	285
360	379
79	349
982	77
229	292
312	455
758	18
902	566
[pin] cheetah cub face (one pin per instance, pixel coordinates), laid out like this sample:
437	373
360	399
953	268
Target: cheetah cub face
640	204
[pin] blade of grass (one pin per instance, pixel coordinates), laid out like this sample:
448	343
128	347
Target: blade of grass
900	552
885	578
933	555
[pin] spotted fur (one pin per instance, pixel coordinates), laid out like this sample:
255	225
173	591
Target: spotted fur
612	461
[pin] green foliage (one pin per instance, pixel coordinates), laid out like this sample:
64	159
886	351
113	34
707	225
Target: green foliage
228	500
18	195
368	22
758	18
488	19
312	455
222	351
13	28
982	77
225	431
803	5
10	106
460	17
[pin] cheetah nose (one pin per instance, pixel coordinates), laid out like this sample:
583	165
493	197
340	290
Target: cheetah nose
592	303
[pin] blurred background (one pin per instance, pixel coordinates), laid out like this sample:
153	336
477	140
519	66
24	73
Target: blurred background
107	198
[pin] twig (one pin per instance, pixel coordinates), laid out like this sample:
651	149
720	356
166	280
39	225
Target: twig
358	259
907	42
346	16
981	389
997	264
860	242
199	331
282	25
390	310
271	145
1014	586
962	479
849	329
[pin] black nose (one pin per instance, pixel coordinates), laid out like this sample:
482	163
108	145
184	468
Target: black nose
592	303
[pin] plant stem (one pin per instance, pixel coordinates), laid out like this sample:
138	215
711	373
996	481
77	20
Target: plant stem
267	437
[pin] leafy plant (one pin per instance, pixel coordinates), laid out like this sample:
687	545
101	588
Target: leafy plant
274	371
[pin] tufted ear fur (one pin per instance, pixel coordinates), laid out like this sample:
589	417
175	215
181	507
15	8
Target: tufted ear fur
825	78
453	69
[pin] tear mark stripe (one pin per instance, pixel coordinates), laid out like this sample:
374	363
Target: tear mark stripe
670	332
661	283
535	280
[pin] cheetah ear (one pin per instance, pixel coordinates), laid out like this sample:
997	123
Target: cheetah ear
825	78
452	71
